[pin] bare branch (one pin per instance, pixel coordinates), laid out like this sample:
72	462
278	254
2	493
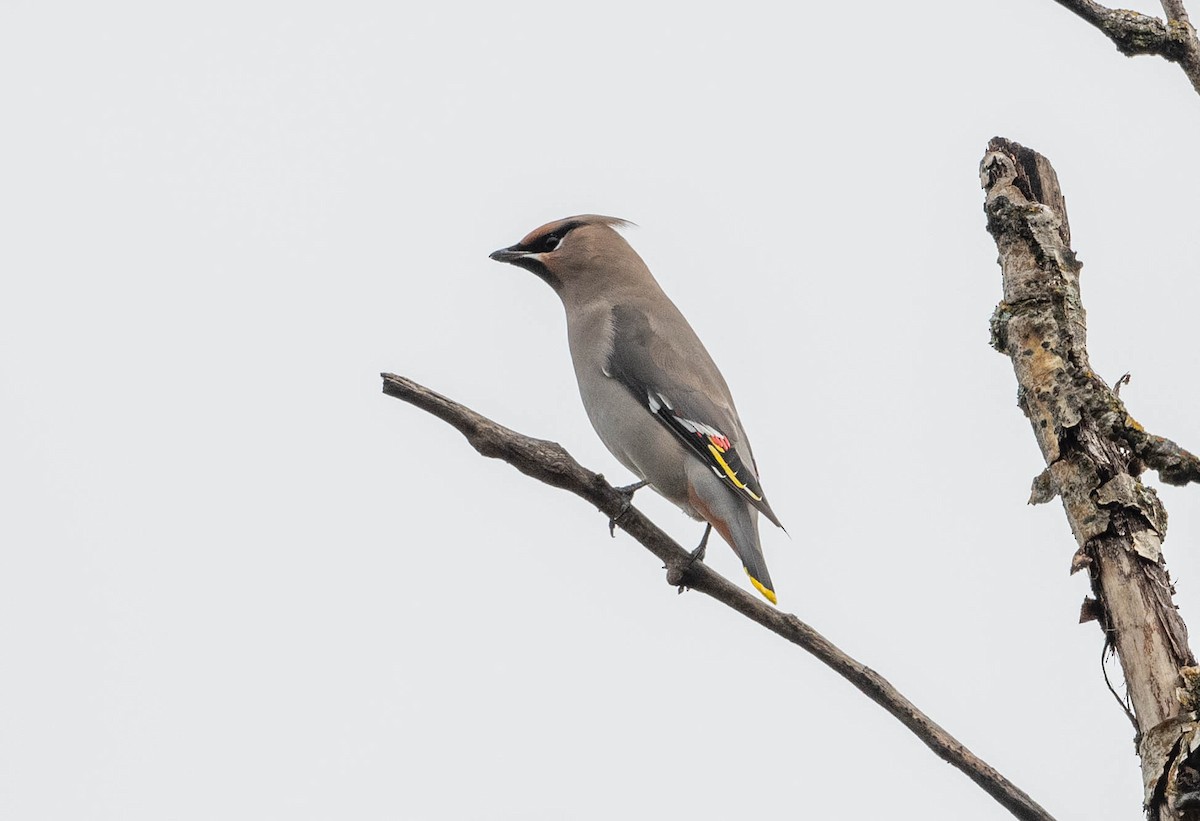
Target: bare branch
550	463
1134	33
1093	451
1175	11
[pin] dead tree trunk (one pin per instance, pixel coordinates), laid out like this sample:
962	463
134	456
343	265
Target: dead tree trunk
1094	453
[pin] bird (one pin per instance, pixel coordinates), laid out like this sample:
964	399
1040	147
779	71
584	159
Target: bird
649	387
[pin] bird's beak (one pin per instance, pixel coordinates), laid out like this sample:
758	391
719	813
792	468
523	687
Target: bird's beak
510	254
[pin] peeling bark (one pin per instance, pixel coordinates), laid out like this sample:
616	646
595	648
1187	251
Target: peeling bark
1094	452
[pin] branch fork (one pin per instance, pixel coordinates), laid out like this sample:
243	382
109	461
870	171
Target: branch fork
1134	33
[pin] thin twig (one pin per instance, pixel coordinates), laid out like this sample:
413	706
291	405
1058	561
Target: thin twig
1175	11
1109	647
550	463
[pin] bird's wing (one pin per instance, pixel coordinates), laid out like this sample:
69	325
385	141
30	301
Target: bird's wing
674	378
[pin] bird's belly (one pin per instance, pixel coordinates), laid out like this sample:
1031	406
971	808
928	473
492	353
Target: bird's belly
638	440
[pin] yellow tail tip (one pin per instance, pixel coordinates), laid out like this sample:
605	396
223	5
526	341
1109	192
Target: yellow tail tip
768	594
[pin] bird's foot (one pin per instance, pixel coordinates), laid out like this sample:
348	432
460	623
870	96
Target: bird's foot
696	555
627	491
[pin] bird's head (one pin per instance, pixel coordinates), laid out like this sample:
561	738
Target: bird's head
570	251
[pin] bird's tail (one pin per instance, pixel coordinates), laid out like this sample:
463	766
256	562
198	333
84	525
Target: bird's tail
737	522
746	544
735	519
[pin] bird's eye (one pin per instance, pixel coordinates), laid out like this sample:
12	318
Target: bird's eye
551	242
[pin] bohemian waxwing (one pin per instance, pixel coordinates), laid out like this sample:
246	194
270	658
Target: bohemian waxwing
649	387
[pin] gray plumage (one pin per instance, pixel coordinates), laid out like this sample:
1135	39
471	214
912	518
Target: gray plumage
650	389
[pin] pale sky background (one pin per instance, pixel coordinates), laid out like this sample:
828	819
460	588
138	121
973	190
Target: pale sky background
237	582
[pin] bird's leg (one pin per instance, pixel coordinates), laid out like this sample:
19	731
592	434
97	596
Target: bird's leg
697	555
627	491
702	548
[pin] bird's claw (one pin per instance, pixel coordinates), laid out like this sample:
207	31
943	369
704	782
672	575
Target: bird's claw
696	555
627	491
